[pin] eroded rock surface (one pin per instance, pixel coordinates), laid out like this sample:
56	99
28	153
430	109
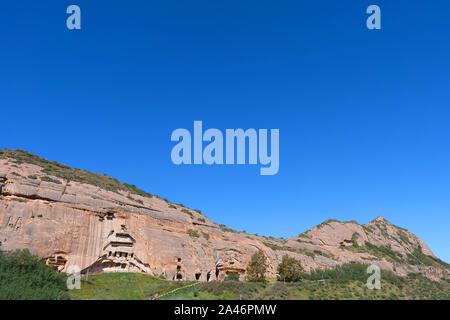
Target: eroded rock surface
71	223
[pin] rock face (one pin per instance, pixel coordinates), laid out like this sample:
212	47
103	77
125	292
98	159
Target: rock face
70	222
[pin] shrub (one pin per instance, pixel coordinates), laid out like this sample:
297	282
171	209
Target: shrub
224	228
257	267
187	212
48	179
341	273
193	233
244	290
24	277
232	276
418	257
276	292
205	235
290	269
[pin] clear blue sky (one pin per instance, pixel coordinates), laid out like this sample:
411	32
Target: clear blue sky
363	115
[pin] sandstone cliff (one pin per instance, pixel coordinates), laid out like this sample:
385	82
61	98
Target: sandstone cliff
72	217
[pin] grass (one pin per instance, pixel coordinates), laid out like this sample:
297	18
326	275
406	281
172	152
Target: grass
23	276
326	222
420	258
377	251
61	171
224	228
193	233
309	253
132	286
123	286
48	179
187	212
206	235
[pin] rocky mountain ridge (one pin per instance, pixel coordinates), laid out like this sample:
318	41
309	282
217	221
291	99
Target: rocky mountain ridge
72	217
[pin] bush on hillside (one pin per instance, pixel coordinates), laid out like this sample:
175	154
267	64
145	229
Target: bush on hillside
23	276
290	269
257	267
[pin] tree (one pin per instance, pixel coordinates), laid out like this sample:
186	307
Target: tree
257	267
24	276
290	269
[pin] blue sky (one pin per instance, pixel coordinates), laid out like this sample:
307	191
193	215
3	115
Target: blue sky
363	115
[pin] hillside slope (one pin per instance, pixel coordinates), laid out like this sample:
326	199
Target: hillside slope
72	217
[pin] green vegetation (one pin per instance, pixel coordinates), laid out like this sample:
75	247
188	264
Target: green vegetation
206	235
290	269
326	222
334	220
377	251
193	233
124	286
24	277
420	258
355	236
257	267
403	237
341	273
71	174
309	253
416	258
201	220
304	235
48	179
231	290
342	283
232	276
224	228
187	212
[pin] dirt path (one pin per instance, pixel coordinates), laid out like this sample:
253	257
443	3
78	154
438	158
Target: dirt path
175	290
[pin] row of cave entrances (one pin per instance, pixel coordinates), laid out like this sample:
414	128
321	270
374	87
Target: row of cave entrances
179	274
